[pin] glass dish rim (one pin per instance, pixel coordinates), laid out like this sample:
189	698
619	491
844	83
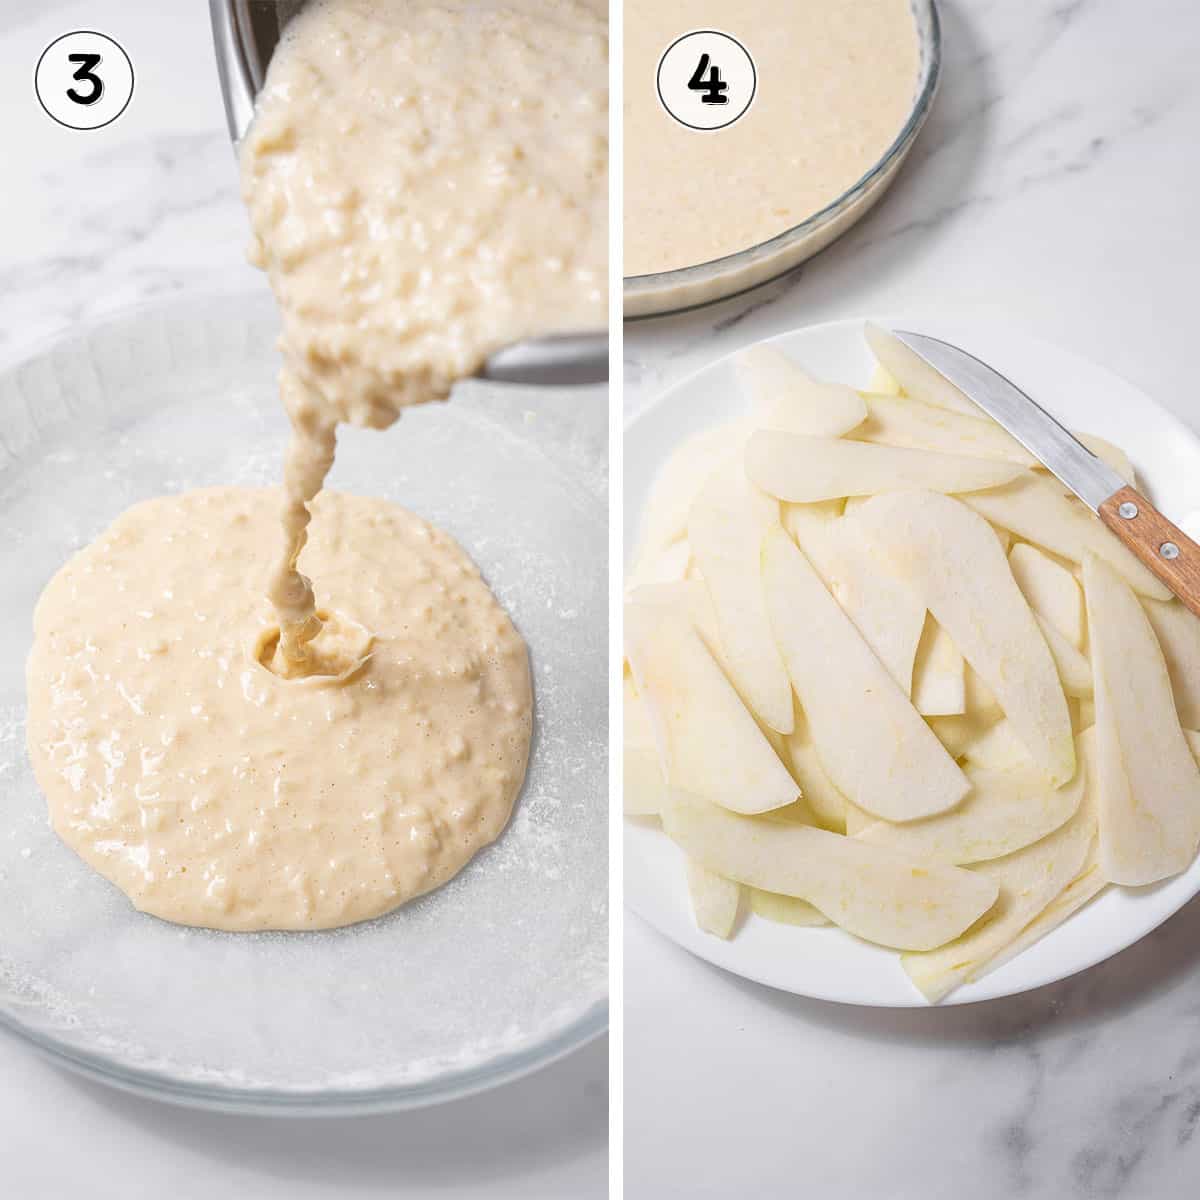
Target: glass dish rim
267	1101
641	286
502	1067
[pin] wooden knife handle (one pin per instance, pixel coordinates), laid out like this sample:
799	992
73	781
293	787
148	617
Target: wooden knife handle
1163	547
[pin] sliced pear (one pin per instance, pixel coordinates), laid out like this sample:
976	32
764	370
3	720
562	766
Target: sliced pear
946	553
1178	634
786	910
1028	882
876	749
715	900
998	748
1052	591
918	379
875	894
782	396
980	702
1035	508
939	674
1088	884
882	610
857	819
1114	456
1074	670
728	522
827	804
882	382
893	421
1004	812
959	733
707	740
638	734
804	469
675	487
643	788
670	566
1148	791
687	601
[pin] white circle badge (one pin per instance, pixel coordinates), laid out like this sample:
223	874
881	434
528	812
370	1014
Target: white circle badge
84	80
706	79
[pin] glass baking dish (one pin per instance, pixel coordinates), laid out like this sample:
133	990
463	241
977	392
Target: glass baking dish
689	287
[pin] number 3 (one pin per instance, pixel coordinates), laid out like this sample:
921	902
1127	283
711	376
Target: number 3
86	73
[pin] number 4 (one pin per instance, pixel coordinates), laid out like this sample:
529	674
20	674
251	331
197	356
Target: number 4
714	87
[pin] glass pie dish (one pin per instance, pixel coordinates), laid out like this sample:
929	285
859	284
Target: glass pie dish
690	287
498	972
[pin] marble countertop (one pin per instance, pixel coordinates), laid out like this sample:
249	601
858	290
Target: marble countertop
95	222
1053	189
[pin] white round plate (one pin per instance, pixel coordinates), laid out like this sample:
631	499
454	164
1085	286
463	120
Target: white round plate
824	962
497	972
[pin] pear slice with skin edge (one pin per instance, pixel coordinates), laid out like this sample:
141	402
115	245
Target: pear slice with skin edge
708	742
728	522
874	894
918	379
1034	508
783	396
875	747
1004	812
1028	882
1148	785
803	470
715	900
894	421
948	555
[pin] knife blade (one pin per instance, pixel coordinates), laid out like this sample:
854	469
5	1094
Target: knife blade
1163	548
1089	477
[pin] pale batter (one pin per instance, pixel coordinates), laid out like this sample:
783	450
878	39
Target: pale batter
426	182
835	84
213	792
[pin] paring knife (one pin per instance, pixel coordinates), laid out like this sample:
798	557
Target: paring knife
1162	546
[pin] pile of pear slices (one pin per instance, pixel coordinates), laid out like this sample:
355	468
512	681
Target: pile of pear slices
885	672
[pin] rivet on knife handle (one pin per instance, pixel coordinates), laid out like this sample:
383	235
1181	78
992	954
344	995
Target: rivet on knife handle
1162	546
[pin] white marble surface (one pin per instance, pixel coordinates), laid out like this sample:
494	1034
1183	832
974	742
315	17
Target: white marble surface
1054	188
94	222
